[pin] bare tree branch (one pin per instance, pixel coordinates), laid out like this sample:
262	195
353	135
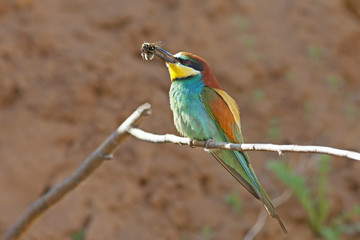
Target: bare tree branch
92	162
169	138
128	127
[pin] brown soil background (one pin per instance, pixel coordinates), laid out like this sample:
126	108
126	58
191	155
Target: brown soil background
71	71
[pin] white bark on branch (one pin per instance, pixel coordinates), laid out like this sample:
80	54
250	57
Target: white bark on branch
104	151
169	138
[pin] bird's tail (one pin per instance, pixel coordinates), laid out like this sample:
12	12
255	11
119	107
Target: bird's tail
262	195
270	207
238	165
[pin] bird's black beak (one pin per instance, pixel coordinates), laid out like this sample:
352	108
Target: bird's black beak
165	55
148	50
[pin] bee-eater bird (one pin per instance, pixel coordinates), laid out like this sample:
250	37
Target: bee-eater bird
202	110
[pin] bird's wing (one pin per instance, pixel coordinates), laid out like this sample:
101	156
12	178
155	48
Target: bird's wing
222	112
225	113
231	104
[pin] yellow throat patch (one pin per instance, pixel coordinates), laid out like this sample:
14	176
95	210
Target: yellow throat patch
177	70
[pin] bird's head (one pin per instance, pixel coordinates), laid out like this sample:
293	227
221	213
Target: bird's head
184	65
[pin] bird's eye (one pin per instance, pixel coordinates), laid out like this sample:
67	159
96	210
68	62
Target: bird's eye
186	62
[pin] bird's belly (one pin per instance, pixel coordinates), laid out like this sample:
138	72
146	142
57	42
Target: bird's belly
190	117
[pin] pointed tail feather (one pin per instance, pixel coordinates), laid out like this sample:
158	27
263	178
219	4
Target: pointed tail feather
239	167
281	224
263	195
266	200
271	209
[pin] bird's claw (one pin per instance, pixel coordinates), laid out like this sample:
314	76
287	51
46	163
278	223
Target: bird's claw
208	142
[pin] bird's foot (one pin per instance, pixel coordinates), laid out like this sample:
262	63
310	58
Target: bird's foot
208	142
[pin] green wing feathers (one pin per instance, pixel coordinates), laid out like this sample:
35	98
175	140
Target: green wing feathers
221	109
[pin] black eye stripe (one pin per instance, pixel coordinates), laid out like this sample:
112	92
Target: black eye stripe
193	64
196	65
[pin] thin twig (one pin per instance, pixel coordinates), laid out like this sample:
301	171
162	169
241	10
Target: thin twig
169	138
256	228
92	162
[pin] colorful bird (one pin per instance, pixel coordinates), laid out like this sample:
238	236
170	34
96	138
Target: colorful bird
202	110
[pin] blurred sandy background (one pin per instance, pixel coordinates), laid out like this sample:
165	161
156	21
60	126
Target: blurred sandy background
71	72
